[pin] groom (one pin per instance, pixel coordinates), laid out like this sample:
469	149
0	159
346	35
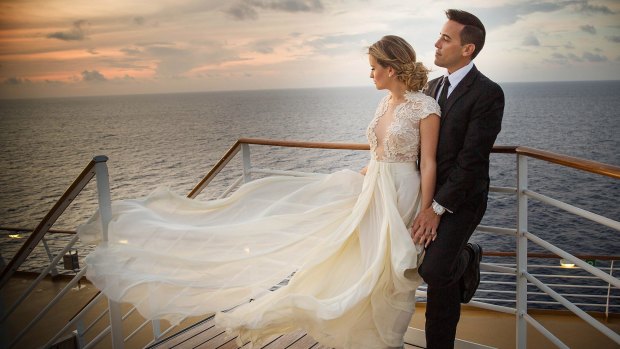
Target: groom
471	114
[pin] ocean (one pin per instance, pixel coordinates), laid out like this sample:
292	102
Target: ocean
174	139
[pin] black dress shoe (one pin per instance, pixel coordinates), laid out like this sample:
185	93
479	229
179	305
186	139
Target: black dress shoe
471	278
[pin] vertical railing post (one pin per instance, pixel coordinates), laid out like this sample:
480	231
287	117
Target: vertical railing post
103	192
611	272
247	165
521	252
156	325
53	270
79	334
105	211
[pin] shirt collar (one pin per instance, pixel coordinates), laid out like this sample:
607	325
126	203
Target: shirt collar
456	77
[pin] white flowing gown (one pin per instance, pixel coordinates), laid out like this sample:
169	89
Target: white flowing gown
344	237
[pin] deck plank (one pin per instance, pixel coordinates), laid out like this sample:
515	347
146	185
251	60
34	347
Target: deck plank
411	346
284	341
203	337
177	338
216	342
232	344
320	346
305	342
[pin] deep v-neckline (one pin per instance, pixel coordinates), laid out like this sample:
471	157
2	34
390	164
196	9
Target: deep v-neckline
387	128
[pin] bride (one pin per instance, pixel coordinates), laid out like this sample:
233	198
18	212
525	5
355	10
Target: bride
343	238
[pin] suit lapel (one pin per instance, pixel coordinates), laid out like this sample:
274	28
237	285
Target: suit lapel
432	87
461	89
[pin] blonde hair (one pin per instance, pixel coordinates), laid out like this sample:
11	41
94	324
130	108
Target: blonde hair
393	51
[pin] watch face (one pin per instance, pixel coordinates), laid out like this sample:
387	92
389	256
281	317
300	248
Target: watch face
438	209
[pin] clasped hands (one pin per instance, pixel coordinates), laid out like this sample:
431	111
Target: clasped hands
424	228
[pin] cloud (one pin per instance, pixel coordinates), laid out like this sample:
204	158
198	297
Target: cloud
75	33
613	38
53	82
290	5
93	76
531	40
510	13
559	58
588	28
175	61
242	11
332	45
247	9
15	81
264	46
593	57
586	7
130	51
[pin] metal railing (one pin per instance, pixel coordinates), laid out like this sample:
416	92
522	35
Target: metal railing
521	232
520	271
95	168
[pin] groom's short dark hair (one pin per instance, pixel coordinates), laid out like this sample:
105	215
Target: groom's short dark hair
473	33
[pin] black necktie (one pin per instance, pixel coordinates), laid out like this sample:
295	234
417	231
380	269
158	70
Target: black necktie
444	93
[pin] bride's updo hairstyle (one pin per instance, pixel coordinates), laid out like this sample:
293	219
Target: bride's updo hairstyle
393	51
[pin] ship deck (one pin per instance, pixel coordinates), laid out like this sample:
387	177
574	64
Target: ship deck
485	327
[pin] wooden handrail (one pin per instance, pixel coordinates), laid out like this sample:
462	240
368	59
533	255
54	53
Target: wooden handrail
301	144
570	161
216	169
564	160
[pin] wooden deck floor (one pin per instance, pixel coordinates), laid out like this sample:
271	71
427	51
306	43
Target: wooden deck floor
477	325
204	335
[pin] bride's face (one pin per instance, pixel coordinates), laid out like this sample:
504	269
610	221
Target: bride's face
378	73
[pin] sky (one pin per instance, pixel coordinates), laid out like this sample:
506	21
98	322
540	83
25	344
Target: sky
52	48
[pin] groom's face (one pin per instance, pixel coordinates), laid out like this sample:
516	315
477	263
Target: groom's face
449	51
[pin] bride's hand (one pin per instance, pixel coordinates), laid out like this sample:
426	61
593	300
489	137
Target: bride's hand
424	229
364	170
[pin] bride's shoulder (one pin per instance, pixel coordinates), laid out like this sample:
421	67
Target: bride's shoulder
422	103
418	96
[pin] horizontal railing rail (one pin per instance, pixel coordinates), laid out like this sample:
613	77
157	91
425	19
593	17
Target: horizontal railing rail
29	230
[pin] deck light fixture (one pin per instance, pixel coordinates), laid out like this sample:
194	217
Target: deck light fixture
566	263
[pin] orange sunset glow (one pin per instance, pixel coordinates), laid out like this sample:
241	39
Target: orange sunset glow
55	48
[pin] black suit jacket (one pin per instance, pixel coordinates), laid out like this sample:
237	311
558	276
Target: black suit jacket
470	123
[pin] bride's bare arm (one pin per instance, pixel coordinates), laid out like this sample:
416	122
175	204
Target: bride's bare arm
364	170
429	136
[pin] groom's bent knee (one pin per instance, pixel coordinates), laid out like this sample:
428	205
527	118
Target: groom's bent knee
436	273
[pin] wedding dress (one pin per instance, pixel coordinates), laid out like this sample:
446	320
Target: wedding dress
342	238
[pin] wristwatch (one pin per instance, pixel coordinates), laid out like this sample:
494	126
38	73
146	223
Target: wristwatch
437	208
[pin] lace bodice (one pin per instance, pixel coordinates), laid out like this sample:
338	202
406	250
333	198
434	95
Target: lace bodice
398	139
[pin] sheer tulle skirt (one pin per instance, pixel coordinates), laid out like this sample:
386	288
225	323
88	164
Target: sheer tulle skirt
342	236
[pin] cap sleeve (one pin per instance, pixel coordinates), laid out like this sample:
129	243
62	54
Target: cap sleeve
430	106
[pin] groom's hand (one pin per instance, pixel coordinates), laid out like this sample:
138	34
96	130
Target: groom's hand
424	229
